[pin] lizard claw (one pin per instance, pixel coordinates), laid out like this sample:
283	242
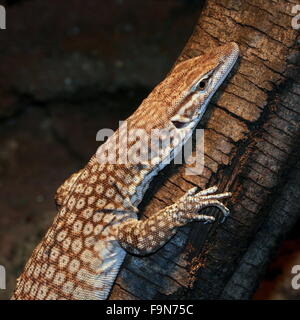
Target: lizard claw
192	202
192	191
208	191
207	219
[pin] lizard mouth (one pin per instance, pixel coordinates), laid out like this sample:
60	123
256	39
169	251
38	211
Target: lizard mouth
181	121
179	124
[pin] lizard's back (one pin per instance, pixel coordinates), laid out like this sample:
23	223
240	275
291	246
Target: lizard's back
79	256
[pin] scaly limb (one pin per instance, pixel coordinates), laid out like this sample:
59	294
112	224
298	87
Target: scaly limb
146	236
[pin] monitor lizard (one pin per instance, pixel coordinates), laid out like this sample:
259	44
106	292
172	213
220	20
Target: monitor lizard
97	221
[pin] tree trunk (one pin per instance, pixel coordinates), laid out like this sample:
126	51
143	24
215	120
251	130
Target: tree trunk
251	145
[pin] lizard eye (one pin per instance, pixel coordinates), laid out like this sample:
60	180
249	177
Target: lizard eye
202	84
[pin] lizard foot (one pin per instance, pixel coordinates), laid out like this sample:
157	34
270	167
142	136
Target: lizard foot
192	202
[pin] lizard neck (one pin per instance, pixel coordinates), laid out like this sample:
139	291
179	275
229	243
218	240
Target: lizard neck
134	169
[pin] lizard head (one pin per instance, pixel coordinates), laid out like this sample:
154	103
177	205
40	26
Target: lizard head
174	107
198	79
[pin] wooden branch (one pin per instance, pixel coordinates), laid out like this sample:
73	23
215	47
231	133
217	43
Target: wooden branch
251	136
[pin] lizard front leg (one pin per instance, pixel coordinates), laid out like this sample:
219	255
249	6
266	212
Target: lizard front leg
146	236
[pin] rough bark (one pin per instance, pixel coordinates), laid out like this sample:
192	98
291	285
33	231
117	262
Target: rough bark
251	145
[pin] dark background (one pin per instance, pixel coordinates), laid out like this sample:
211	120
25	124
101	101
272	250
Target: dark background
68	69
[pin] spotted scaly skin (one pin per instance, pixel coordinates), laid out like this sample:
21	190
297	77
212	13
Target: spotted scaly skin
97	221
